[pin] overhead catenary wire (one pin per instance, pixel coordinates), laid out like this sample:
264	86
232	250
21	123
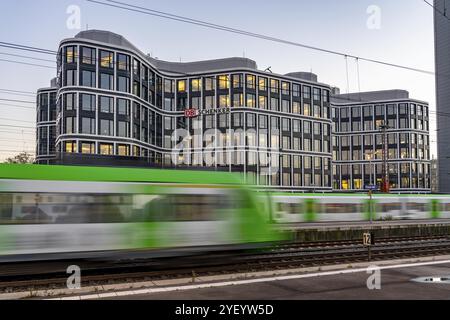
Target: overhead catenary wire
25	57
165	15
28	64
26	48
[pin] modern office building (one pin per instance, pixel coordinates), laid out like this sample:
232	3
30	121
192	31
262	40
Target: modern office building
442	53
358	141
46	123
117	105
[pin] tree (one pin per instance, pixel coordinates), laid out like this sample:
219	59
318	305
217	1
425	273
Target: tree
23	157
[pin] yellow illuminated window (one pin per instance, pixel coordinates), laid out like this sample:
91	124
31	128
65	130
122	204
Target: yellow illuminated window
181	85
251	81
262	102
357	183
345	185
307	109
106	59
224	101
106	149
274	85
196	85
87	147
123	150
70	146
251	100
262	84
224	82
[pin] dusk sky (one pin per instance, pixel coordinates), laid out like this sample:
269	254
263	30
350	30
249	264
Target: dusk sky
405	37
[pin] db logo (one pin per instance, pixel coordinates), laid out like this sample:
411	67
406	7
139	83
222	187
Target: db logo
191	113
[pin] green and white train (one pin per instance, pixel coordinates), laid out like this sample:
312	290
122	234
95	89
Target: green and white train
53	212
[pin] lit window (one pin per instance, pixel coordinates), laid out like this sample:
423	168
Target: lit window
262	84
251	81
106	149
224	101
274	85
70	146
251	100
223	82
196	85
71	54
123	62
123	150
87	147
285	88
181	85
262	102
88	55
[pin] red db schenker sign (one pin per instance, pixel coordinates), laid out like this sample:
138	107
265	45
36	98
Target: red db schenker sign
191	113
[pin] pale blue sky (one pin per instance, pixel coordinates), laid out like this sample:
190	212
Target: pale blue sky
405	37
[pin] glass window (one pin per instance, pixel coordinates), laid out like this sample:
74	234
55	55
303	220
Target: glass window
306	92
168	86
106	148
70	146
196	85
316	94
106	104
286	106
123	129
224	101
71	77
69	101
262	83
106	59
262	102
224	81
123	107
123	84
71	53
274	104
307	109
106	127
251	100
285	88
106	81
181	85
88	55
123	62
274	86
123	150
209	84
88	125
251	81
88	147
88	78
87	102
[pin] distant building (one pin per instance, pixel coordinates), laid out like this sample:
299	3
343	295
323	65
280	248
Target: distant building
46	110
442	52
358	141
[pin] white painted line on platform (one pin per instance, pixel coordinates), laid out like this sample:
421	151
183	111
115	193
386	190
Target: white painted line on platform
243	282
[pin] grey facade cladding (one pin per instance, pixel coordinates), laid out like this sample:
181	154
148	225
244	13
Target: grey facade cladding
46	112
442	52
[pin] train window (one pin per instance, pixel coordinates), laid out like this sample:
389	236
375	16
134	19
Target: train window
186	207
388	207
416	206
340	208
289	207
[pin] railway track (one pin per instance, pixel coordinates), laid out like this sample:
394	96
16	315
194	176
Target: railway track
282	256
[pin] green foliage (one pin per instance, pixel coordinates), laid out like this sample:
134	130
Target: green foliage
21	158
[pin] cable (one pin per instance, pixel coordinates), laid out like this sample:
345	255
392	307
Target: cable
26	48
18	91
28	64
16	106
16	94
147	11
14	100
26	57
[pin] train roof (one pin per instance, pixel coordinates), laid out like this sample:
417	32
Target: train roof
356	195
114	174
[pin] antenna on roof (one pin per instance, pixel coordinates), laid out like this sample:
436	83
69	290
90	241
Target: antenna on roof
268	69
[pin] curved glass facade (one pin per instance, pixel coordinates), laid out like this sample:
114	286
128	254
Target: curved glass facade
114	101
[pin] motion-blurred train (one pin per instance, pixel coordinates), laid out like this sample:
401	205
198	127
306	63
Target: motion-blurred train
54	212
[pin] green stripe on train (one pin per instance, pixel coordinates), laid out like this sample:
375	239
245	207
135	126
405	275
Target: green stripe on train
109	174
435	209
370	209
310	210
